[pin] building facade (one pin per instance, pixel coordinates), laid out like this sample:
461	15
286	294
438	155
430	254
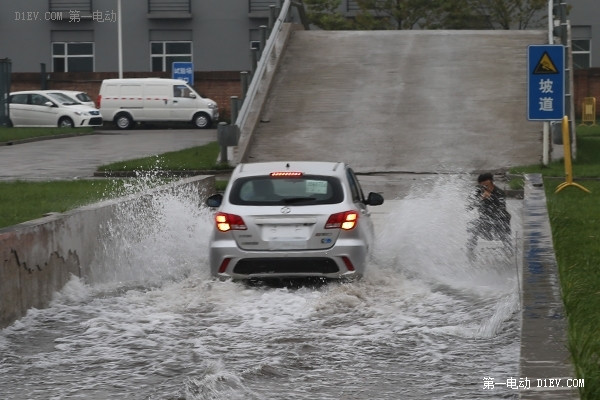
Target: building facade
82	35
585	26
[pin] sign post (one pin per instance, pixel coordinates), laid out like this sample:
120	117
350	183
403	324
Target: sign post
184	71
545	87
546	83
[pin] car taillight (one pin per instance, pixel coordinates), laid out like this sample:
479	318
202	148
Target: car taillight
344	220
229	222
99	100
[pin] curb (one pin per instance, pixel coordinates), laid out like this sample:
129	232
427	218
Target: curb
49	137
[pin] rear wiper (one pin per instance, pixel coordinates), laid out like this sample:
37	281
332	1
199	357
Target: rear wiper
290	200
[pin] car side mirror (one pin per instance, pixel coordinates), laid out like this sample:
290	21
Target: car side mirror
374	199
192	96
49	104
215	200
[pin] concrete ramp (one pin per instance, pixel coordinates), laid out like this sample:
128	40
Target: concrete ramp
402	101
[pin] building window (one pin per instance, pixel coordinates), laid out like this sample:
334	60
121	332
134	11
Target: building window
261	5
164	54
73	56
84	6
169	5
582	56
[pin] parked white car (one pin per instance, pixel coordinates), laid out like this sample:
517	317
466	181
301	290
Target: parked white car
77	95
127	101
42	108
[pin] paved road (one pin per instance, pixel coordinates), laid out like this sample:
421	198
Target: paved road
79	157
402	101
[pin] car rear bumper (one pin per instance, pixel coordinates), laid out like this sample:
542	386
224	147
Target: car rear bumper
345	260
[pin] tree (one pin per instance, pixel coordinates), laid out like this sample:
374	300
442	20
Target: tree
429	14
511	14
325	14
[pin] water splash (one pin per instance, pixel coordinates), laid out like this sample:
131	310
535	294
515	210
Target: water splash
163	237
423	322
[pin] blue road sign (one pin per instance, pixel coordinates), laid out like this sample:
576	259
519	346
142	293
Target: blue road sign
546	82
183	70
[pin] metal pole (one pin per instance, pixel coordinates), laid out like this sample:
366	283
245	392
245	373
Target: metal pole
244	81
253	60
235	108
43	77
221	127
263	39
546	124
272	16
550	22
545	143
120	39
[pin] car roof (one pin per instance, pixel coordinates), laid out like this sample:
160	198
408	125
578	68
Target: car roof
63	91
144	80
27	92
306	167
45	91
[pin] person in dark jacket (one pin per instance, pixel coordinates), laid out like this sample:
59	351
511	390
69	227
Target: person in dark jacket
493	221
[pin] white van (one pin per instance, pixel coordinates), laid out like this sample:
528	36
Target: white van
127	101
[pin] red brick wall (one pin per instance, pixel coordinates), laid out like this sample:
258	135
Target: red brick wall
218	86
586	83
221	85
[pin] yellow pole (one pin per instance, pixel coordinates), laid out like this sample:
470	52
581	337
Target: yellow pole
568	165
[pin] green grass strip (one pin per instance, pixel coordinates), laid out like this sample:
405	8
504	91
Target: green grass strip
24	201
575	220
192	159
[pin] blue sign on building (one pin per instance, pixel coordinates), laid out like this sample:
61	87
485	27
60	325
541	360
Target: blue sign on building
546	82
183	70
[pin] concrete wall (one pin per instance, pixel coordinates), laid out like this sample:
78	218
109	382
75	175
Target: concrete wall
38	257
544	344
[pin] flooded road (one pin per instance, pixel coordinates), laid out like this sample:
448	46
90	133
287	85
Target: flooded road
424	323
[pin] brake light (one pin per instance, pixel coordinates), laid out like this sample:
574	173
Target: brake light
99	100
286	174
345	220
229	222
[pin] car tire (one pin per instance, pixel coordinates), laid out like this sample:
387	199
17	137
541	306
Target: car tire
66	122
123	121
202	120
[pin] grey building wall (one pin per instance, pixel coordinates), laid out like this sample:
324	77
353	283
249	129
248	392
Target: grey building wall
220	31
585	22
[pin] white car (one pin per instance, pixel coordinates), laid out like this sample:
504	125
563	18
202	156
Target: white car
77	95
47	108
291	220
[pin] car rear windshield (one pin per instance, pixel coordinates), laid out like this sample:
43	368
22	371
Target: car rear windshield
303	190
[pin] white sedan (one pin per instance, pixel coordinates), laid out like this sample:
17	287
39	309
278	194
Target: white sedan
40	108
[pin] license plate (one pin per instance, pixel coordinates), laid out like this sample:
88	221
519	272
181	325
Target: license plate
286	232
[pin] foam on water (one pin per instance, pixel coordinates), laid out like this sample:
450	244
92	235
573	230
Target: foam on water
151	324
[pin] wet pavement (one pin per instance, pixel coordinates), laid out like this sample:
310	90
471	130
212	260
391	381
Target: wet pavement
79	156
